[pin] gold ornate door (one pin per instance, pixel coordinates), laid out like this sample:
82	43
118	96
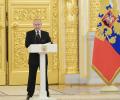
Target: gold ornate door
3	62
21	13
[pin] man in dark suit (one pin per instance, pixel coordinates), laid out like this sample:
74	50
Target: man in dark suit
36	36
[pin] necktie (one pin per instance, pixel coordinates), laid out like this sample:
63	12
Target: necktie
37	37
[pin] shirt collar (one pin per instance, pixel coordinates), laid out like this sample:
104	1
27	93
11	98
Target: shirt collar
39	31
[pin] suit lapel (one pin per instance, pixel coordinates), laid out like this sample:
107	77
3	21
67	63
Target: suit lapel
34	34
41	33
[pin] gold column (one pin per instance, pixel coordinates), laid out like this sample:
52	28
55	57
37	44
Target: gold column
71	36
61	42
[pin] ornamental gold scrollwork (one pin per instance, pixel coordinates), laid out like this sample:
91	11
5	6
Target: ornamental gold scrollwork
94	9
71	40
55	18
29	14
20	52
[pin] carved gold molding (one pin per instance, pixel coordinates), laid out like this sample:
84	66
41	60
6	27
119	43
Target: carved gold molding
54	32
20	52
94	9
71	36
26	14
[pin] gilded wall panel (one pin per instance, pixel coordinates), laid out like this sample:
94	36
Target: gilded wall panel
71	36
25	15
20	52
94	10
54	33
28	14
21	17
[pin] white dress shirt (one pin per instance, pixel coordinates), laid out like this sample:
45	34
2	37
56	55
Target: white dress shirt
38	32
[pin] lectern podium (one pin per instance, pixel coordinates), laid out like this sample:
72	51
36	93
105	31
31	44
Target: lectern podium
42	49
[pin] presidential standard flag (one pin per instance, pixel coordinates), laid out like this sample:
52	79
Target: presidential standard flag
106	51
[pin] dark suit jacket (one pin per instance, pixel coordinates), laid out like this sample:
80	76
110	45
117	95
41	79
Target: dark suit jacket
31	39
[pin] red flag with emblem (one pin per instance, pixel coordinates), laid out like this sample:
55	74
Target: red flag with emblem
106	51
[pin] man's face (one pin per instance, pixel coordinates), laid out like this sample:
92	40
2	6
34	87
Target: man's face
37	25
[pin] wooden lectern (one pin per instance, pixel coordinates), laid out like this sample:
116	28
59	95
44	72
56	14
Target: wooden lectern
42	49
